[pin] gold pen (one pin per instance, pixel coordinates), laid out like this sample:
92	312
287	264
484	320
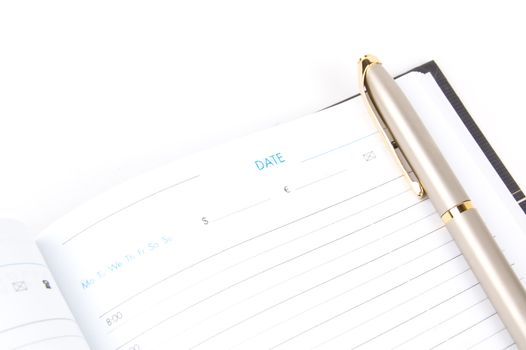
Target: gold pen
428	172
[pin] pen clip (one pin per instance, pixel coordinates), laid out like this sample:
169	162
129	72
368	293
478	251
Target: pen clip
364	64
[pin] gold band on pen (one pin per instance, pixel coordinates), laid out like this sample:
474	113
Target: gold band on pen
456	210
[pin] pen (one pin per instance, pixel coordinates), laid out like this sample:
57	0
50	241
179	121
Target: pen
426	167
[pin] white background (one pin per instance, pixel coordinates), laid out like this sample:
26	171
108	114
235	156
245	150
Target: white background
93	93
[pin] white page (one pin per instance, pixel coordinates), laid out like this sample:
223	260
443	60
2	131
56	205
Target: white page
326	247
33	314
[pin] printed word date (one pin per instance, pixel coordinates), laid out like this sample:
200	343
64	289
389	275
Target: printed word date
270	161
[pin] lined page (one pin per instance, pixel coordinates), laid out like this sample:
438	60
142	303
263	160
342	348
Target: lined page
302	236
33	315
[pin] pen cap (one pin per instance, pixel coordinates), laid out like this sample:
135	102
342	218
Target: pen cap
413	139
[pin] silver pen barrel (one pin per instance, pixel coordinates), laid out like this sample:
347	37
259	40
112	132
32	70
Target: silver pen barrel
443	188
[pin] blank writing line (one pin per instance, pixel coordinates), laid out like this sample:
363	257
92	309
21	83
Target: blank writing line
23	263
126	207
35	322
342	146
240	210
243	242
321	179
48	339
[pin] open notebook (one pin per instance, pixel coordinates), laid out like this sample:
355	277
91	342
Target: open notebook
303	236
